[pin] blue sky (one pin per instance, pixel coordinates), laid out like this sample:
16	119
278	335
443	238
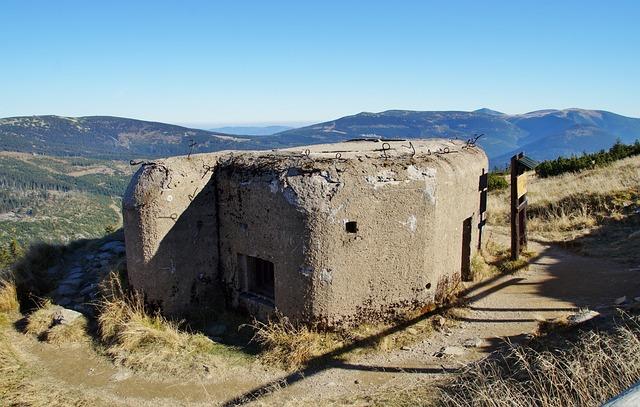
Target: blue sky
232	62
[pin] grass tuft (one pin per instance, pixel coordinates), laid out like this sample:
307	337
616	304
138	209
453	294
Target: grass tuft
44	324
143	340
495	259
292	346
8	297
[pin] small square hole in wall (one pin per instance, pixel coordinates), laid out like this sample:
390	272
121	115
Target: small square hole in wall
351	226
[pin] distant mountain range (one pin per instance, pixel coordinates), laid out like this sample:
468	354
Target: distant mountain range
542	134
252	130
111	137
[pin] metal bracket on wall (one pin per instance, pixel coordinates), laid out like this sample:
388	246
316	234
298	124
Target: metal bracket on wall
173	217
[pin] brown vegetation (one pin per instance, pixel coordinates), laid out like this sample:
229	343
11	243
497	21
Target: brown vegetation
140	339
43	323
292	346
8	297
596	211
584	370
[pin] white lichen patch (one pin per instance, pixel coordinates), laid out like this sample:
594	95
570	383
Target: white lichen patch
333	212
411	223
428	175
382	178
417	173
274	186
305	271
325	276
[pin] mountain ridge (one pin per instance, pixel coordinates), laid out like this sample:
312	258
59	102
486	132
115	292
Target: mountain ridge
543	134
251	130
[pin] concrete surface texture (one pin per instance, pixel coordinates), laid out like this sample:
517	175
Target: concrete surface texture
327	233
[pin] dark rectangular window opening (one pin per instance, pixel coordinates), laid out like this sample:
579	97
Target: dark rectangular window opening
351	226
466	250
260	277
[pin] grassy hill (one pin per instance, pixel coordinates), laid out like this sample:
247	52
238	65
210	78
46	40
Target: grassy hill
596	211
54	199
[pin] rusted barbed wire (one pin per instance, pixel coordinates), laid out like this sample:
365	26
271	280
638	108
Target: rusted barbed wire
472	142
191	145
141	162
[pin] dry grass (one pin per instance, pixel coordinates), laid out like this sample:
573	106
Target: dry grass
43	324
495	259
582	371
293	346
144	340
22	384
8	297
595	211
569	205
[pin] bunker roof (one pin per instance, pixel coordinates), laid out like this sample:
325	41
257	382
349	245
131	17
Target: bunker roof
373	148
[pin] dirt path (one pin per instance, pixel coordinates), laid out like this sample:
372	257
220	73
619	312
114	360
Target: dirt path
500	310
505	308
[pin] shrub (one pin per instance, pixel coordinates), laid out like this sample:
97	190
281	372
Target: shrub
30	273
497	181
574	163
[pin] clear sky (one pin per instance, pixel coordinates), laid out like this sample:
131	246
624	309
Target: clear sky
200	62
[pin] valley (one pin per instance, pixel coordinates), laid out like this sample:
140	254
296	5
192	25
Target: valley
59	199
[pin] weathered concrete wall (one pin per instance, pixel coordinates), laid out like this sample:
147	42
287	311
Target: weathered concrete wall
380	269
257	220
410	203
171	228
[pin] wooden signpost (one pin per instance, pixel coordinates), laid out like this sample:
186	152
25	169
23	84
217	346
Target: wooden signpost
519	167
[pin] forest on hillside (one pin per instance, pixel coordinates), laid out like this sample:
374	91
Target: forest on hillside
55	199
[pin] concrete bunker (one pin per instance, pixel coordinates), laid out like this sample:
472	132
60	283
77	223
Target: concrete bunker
329	233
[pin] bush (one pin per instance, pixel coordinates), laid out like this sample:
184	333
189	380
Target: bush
497	181
574	163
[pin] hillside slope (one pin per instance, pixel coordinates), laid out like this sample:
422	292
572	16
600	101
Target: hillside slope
53	199
108	137
596	211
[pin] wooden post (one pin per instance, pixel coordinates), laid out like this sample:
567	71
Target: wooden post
519	165
515	229
518	205
484	190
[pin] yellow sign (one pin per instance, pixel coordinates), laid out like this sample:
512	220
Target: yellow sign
521	185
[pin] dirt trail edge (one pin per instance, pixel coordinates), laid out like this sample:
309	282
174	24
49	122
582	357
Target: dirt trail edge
502	309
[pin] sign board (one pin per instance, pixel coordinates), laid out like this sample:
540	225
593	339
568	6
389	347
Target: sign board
522	184
520	164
